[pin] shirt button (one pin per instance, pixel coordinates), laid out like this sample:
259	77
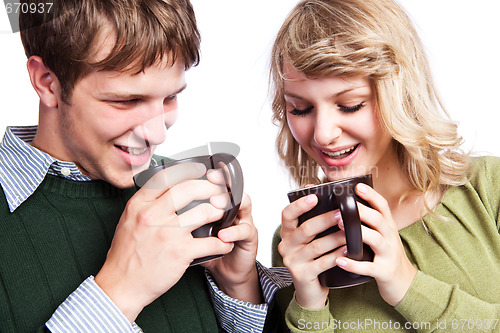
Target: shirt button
66	171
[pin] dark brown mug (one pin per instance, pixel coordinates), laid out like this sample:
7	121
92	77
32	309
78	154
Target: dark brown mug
233	176
341	195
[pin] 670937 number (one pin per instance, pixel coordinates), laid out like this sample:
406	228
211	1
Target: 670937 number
24	7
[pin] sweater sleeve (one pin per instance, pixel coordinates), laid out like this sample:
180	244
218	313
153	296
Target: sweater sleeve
299	319
438	306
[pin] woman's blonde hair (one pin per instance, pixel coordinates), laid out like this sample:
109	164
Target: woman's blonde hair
375	39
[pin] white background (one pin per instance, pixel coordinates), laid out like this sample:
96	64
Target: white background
227	95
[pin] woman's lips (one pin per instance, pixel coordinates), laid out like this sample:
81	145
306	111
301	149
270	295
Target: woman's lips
339	158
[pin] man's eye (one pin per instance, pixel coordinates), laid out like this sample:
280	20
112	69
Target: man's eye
170	99
126	101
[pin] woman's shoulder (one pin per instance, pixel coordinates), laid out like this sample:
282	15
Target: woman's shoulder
485	181
485	168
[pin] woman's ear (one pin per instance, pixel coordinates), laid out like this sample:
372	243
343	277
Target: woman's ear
44	81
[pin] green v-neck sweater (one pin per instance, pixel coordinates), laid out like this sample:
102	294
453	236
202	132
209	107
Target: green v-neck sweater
58	238
458	260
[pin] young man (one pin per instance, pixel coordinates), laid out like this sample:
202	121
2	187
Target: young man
81	249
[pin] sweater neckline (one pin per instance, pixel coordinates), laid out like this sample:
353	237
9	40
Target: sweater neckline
88	189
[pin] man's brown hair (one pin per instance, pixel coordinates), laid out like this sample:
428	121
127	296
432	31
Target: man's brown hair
145	31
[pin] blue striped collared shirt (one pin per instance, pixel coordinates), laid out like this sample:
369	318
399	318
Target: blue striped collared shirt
22	170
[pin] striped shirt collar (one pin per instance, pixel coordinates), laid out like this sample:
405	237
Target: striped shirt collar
24	167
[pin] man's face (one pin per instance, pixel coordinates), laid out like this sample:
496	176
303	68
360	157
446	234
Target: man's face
116	120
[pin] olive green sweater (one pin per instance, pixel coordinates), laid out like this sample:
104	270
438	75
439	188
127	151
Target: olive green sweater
457	287
58	238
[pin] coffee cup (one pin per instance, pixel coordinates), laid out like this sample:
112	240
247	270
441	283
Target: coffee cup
233	177
341	195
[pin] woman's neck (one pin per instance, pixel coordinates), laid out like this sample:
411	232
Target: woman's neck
406	203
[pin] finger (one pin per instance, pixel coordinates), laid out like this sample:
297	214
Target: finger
316	225
200	215
309	270
221	201
375	200
321	246
236	233
247	231
353	266
245	211
209	246
290	213
373	238
375	220
216	176
327	261
165	179
180	195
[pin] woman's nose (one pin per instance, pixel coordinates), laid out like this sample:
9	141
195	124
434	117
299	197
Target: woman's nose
327	128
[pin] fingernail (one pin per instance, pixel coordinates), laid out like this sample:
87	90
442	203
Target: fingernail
361	188
341	262
224	234
345	251
201	167
310	199
337	216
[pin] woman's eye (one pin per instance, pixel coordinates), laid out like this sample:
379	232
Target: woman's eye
304	112
350	109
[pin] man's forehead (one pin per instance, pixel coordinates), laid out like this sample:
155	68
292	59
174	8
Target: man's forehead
161	78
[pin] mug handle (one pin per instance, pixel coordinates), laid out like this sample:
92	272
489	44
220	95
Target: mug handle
234	188
352	222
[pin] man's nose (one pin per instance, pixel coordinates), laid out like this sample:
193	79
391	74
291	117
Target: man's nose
152	130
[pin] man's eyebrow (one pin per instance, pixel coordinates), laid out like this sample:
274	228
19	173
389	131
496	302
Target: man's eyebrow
125	95
181	89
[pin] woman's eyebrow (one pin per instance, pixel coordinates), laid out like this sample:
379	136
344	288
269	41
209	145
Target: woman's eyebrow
340	93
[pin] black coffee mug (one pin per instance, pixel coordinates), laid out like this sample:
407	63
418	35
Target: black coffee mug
334	195
233	176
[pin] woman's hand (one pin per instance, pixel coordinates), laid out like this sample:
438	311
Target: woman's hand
391	268
303	255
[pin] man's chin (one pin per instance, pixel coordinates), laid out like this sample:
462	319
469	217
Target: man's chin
123	179
122	183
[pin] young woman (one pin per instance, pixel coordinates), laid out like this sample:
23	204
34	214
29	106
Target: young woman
353	94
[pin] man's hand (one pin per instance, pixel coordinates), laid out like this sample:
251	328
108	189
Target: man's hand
236	273
153	246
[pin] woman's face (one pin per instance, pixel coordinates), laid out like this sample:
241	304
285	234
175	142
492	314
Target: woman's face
333	119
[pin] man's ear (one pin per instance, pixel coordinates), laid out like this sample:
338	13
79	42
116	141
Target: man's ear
44	81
